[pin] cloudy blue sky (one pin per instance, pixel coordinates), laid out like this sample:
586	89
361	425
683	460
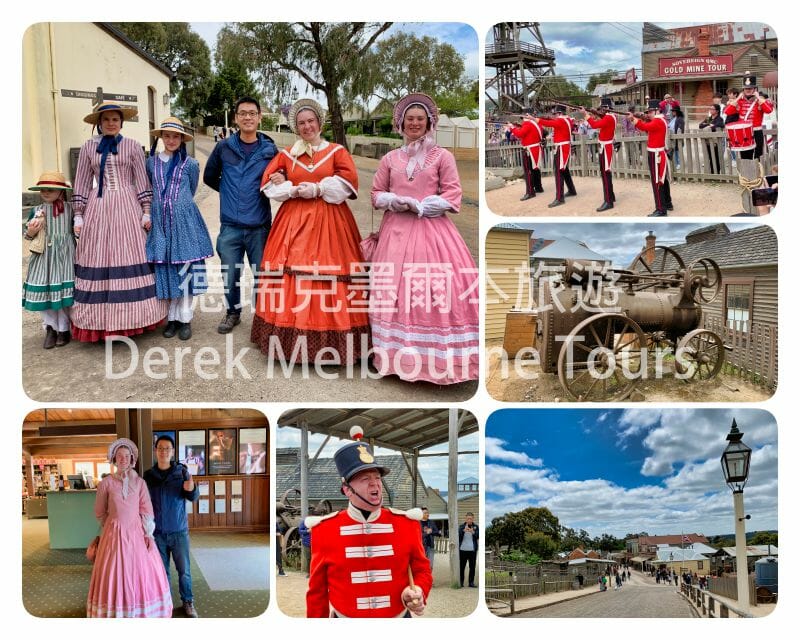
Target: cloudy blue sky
584	48
461	36
619	471
433	470
620	242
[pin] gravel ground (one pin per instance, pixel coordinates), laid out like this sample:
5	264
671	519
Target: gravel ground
634	198
78	371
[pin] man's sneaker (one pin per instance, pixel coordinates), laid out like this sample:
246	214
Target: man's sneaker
230	321
281	572
189	610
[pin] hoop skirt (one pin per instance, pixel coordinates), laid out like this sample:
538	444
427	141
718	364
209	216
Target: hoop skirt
423	285
178	242
128	578
115	290
312	292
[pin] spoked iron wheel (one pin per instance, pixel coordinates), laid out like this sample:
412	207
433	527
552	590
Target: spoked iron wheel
602	358
292	546
700	355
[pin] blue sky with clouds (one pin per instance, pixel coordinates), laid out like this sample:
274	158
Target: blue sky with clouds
618	471
461	36
584	48
620	242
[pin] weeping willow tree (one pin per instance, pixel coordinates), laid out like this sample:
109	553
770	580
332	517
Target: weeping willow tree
331	58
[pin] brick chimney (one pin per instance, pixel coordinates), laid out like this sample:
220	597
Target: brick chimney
650	248
703	40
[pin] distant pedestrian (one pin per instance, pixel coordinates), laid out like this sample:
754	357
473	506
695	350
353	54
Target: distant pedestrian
618	580
216	133
468	548
429	532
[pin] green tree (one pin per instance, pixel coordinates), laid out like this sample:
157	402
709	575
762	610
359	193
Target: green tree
607	542
764	537
571	539
512	528
327	57
461	101
230	82
560	89
182	51
600	78
540	544
405	63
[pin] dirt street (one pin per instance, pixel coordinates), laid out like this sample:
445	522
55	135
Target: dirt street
634	198
530	384
215	368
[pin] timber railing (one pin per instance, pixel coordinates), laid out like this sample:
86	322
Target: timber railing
708	605
699	153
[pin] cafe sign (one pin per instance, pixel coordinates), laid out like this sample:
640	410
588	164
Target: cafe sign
697	66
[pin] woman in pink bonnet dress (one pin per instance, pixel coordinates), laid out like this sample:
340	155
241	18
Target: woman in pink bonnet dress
423	298
128	578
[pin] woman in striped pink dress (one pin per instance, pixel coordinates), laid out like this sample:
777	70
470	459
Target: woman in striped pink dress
423	298
115	290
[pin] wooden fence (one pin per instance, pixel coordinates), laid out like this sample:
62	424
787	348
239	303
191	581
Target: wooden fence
752	354
726	587
508	581
698	152
710	607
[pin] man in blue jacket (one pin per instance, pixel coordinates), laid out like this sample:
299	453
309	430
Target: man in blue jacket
170	485
234	169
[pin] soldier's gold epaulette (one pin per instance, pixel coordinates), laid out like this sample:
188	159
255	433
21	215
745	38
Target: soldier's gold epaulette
411	514
313	521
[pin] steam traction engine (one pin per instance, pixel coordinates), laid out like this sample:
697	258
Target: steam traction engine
287	510
599	329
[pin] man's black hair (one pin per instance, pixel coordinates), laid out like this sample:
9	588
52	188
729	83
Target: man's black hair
165	437
246	100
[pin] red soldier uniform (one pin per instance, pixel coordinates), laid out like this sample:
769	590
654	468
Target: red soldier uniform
562	139
360	565
607	124
529	133
751	108
656	130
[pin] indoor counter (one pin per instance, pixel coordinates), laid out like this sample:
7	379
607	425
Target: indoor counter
71	518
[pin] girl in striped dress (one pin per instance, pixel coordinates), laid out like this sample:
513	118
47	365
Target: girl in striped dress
51	275
115	292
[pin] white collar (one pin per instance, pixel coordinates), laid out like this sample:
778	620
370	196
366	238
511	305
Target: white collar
355	513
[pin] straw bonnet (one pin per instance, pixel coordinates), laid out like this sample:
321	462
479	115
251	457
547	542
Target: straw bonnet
421	99
123	442
300	105
172	123
107	105
54	180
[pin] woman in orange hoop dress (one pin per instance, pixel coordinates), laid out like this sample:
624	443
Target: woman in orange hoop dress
312	291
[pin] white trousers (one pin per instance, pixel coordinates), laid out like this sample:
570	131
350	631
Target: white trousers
180	309
58	319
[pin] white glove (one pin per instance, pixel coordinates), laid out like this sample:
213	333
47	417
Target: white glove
413	600
306	190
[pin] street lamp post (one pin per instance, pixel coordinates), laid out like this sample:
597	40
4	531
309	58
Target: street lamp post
736	467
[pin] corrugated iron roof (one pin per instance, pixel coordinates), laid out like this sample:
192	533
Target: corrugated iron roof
404	430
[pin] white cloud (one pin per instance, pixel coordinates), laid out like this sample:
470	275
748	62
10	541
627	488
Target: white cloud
495	451
565	48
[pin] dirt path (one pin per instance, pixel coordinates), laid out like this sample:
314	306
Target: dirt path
205	367
533	385
634	198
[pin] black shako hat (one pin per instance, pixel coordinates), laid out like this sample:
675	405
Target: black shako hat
560	108
652	104
749	82
356	456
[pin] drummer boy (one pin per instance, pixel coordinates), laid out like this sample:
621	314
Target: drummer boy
750	108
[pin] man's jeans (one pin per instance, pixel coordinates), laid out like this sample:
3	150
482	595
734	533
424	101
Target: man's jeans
232	244
178	545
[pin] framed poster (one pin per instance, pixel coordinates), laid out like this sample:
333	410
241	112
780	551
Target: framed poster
192	451
253	451
156	436
221	452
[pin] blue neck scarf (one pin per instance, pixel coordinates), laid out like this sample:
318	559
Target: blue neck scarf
107	143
